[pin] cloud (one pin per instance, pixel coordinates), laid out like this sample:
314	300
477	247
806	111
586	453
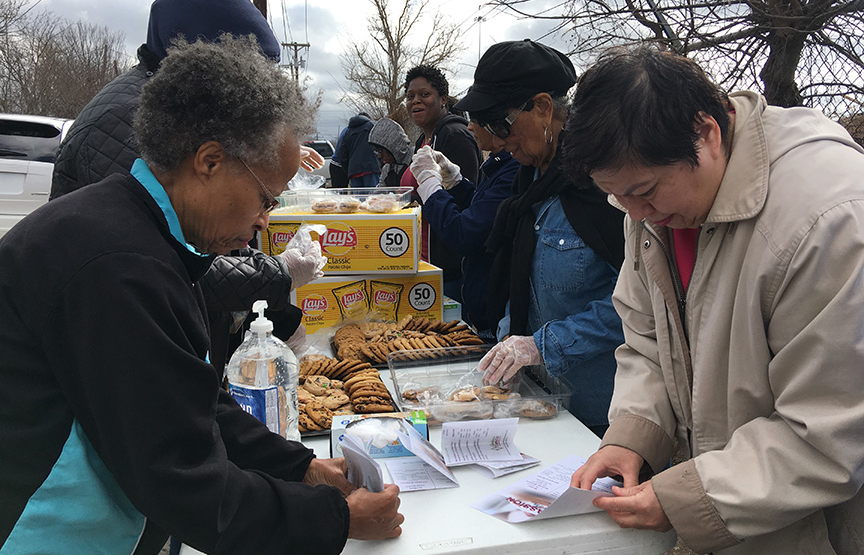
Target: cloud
329	27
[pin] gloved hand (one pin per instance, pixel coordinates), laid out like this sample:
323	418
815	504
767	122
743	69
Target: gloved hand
297	339
506	358
310	159
304	266
450	172
427	172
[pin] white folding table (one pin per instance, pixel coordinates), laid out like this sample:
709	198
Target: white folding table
443	521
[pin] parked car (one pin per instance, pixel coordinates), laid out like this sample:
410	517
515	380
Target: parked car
326	150
28	148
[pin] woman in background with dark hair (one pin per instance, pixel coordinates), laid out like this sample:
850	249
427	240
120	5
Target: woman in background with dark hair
427	94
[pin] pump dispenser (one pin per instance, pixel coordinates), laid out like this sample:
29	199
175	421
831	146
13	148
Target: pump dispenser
262	377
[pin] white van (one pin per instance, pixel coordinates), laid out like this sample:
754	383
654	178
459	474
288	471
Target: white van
28	148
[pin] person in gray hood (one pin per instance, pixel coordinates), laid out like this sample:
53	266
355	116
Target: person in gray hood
393	148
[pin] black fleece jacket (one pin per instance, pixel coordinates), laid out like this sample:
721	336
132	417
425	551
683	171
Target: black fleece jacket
103	326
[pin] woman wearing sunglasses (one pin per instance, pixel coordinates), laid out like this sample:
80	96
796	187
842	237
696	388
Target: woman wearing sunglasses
428	101
557	243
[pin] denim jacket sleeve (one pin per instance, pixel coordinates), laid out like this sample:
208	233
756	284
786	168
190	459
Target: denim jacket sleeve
572	287
567	342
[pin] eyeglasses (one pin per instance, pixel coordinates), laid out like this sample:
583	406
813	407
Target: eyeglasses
501	129
270	201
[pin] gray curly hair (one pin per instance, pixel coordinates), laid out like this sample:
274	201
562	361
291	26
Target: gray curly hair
226	92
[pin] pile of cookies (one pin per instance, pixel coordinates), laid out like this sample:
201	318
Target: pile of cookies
321	397
322	365
419	337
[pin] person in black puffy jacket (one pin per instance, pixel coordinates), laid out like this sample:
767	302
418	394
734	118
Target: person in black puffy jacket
101	143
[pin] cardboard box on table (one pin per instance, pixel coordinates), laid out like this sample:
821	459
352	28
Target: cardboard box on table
328	301
358	243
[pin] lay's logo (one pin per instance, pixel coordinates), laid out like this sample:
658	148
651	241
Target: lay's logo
353	298
385	297
281	238
339	239
314	305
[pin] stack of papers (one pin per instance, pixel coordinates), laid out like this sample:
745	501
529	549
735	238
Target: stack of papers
487	443
546	494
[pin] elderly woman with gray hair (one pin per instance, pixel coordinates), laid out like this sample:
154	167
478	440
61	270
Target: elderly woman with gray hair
557	243
122	433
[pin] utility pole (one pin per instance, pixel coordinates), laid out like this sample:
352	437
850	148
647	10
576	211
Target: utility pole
479	19
262	6
296	57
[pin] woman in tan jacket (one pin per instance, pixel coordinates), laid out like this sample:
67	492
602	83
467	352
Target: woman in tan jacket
742	300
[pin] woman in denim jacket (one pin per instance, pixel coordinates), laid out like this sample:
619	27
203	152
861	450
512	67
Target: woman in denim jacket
557	242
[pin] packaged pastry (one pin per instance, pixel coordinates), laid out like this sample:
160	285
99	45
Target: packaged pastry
384	303
382	203
352	300
348	205
325	205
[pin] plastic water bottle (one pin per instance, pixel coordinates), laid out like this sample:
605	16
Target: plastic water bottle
262	377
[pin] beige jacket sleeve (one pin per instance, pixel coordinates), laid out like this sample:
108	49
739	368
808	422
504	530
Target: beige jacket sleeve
641	416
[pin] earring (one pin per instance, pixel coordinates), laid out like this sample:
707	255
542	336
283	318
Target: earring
547	135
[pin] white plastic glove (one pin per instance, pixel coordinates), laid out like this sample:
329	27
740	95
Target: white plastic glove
506	358
304	266
450	172
297	339
310	159
427	172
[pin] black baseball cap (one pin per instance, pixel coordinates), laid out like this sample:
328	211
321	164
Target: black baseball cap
517	70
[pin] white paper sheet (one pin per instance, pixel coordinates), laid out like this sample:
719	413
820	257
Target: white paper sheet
479	441
498	469
546	494
363	470
420	446
414	474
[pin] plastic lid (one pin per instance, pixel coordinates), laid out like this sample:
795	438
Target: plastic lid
260	324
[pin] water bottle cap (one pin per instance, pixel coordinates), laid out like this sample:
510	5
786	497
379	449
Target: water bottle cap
260	324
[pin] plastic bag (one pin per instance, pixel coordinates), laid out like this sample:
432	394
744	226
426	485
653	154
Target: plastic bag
302	239
304	181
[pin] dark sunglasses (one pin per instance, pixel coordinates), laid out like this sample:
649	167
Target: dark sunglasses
501	128
270	201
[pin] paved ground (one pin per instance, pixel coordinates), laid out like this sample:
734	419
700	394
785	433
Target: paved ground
680	549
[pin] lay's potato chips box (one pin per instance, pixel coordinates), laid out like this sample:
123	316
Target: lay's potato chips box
328	301
359	243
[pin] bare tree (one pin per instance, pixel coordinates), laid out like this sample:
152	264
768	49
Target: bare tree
50	66
376	68
794	51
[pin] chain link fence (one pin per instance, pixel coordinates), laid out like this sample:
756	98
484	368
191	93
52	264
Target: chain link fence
836	87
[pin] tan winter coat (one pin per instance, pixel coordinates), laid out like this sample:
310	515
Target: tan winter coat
762	384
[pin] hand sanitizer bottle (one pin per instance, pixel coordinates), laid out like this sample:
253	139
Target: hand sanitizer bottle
262	377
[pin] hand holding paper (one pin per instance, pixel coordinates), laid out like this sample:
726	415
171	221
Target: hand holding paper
363	471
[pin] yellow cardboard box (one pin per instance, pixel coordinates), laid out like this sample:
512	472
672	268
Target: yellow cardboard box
361	243
329	300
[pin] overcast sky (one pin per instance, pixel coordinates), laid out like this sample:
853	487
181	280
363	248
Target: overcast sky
328	26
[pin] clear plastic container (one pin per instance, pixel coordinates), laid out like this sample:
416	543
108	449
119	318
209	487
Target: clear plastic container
446	384
377	200
263	376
